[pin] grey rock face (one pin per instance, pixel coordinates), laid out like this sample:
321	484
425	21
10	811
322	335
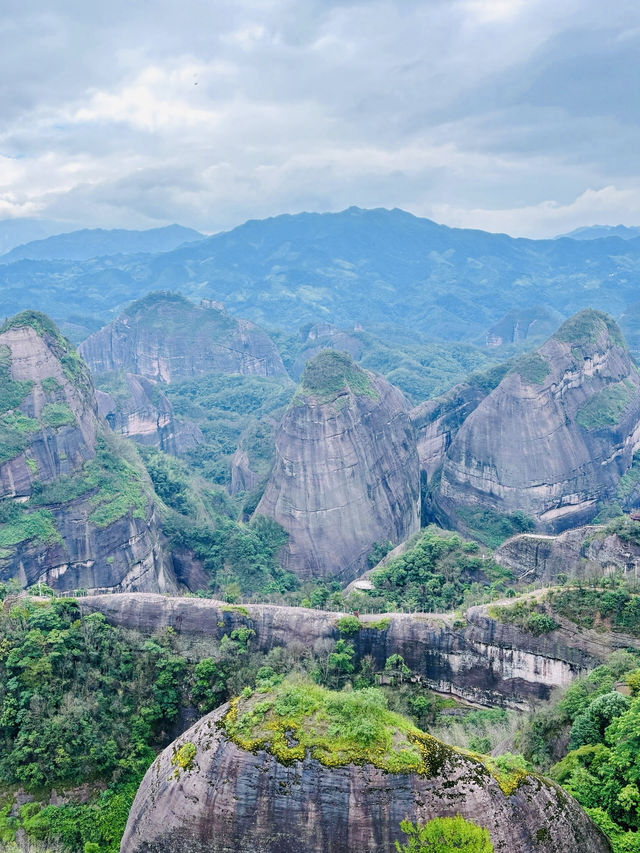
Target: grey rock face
345	477
481	660
165	337
146	415
233	800
437	422
73	551
555	436
581	553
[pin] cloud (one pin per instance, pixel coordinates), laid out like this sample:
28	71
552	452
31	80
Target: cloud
471	111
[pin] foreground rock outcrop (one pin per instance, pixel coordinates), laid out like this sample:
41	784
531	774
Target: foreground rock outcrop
346	471
211	793
479	659
76	507
165	337
554	438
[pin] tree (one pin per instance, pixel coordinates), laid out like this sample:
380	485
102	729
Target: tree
445	835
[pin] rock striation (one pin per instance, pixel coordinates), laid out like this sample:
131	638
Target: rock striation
555	436
346	470
207	794
142	412
165	337
479	659
76	506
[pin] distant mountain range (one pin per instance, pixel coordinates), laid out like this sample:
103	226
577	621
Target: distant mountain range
385	270
597	232
99	242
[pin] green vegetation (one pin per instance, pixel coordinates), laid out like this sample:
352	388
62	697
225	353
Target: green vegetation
532	367
445	835
586	326
15	434
183	757
57	415
606	408
601	768
12	392
228	409
618	608
51	385
491	527
331	373
439	573
528	615
293	717
19	524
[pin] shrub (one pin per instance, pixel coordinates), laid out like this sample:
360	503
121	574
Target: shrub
445	835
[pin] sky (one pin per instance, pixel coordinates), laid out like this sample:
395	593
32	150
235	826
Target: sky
520	116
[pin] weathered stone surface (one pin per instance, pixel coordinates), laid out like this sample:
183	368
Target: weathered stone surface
345	477
127	554
581	553
165	337
481	660
436	423
146	415
526	446
325	336
234	800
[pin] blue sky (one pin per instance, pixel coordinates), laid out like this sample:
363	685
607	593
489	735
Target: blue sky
511	115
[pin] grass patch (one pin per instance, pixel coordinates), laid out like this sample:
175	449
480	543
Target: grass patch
296	717
331	373
532	368
525	615
19	524
606	408
587	326
15	434
56	415
491	527
51	385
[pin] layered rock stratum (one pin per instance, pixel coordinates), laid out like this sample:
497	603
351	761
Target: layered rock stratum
279	780
165	337
346	473
78	509
478	658
556	435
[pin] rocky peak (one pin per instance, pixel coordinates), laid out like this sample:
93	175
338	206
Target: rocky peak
346	471
556	434
76	506
165	337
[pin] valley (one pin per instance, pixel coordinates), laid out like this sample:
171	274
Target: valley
226	545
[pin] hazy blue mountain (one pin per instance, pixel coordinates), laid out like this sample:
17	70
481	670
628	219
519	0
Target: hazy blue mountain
15	232
99	242
385	270
596	232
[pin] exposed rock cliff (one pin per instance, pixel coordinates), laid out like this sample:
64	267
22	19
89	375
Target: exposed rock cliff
165	337
554	437
141	411
207	793
480	659
581	553
346	470
76	506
